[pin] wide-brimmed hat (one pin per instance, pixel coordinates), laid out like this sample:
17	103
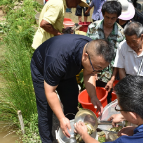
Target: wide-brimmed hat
83	3
128	10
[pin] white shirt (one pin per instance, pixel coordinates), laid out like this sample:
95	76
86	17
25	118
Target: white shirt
128	59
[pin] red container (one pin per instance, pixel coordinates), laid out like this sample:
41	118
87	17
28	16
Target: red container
113	93
84	26
113	96
115	82
67	19
68	24
84	99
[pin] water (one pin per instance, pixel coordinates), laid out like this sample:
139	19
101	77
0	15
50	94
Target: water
7	136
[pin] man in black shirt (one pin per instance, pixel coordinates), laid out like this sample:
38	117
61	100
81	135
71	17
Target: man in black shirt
54	66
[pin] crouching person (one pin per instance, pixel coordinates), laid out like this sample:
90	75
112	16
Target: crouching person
129	92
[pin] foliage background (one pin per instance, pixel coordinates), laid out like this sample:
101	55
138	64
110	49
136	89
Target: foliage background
18	93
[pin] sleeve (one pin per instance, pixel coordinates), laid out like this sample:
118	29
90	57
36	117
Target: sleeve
91	31
53	72
91	4
119	59
52	14
118	140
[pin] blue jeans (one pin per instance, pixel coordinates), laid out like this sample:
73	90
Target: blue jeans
68	92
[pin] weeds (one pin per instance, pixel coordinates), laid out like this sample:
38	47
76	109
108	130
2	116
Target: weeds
31	131
18	93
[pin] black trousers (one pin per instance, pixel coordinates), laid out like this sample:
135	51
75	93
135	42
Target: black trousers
68	93
100	83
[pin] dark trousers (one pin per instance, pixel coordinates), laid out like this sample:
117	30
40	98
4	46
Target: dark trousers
68	92
100	83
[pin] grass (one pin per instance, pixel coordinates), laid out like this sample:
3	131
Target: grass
17	92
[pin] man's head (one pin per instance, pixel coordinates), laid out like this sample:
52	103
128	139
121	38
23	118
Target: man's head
129	92
97	55
134	35
74	3
111	10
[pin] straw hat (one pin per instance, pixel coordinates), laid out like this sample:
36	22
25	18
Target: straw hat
83	3
128	10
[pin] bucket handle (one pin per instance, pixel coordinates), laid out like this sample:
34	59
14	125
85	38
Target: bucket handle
65	115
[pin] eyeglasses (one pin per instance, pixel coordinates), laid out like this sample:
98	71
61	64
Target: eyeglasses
92	65
121	110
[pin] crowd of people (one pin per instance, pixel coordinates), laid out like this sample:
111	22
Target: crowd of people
107	52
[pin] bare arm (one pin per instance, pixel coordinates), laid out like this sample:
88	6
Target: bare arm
49	28
87	11
109	85
122	73
54	103
89	81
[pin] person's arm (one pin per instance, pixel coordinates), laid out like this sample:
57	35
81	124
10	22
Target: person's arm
49	28
122	73
109	85
54	103
127	131
81	129
88	10
116	118
90	84
120	60
50	17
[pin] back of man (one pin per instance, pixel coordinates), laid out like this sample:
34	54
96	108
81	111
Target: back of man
60	57
52	12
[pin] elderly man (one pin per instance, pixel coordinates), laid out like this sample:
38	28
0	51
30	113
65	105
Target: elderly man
129	56
51	19
54	66
110	30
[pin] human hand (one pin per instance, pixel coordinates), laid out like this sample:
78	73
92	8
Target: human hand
97	104
59	33
128	131
65	126
109	86
80	128
116	118
67	30
86	12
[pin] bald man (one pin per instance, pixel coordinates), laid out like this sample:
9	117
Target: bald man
54	66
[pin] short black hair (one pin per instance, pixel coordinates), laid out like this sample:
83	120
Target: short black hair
130	94
112	7
102	48
133	28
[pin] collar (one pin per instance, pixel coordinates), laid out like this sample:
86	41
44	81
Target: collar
65	3
115	32
100	25
131	50
138	129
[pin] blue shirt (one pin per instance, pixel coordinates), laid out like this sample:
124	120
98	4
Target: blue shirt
97	14
136	138
87	1
59	58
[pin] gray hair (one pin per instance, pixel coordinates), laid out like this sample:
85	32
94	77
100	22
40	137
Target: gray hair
102	48
133	28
